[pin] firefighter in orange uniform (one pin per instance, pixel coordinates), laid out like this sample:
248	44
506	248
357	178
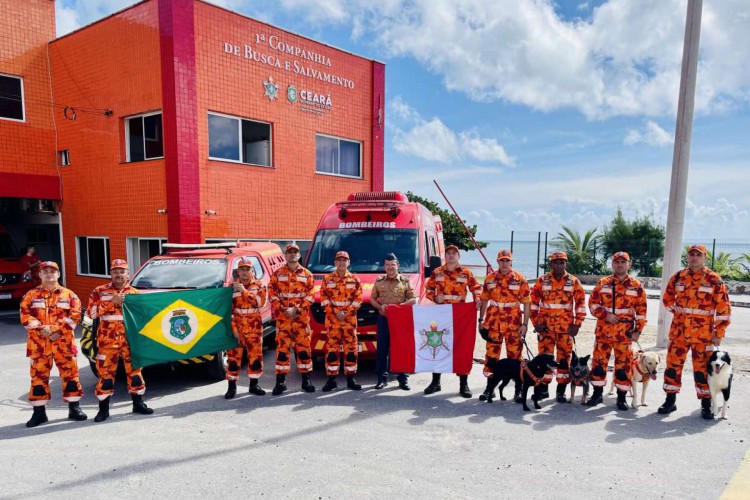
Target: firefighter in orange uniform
450	284
50	314
619	304
248	297
341	296
291	294
558	308
105	303
699	300
505	293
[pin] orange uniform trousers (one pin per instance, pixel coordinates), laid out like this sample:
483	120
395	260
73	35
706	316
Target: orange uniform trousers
338	335
292	333
249	332
603	347
42	352
683	338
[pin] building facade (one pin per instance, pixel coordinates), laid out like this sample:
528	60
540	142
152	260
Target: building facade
180	121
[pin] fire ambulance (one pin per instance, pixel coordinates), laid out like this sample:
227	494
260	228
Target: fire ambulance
369	226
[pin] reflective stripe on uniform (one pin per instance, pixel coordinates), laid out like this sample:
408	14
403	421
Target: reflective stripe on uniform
692	310
564	307
454	297
502	304
339	303
289	295
668	387
723	318
70	322
250	310
112	317
622	387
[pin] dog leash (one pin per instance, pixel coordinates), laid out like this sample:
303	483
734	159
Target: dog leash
528	351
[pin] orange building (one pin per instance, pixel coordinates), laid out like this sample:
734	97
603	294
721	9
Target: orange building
176	120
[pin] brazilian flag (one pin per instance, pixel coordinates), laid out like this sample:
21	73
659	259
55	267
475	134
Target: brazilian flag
169	326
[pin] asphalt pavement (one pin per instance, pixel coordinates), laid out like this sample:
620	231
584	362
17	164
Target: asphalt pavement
366	444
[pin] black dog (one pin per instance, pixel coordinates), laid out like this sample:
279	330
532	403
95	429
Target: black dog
528	374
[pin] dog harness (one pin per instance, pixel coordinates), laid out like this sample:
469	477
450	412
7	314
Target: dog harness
526	370
636	366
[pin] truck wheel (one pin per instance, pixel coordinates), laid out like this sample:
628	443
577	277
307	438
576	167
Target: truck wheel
216	369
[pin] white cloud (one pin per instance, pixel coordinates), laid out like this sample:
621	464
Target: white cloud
651	134
72	14
433	140
624	60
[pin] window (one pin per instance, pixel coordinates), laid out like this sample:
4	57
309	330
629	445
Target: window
36	235
238	140
336	156
257	266
144	138
141	249
93	256
63	158
11	98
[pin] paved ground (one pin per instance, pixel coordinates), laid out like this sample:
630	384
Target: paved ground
363	444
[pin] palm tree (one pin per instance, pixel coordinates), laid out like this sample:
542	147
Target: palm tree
580	250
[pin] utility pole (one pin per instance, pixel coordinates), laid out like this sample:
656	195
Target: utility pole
680	159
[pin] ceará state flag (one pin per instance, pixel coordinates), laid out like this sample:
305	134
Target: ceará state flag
432	338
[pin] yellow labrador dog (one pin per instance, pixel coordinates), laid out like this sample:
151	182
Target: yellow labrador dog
644	370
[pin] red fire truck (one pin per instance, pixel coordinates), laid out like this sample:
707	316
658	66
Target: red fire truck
369	226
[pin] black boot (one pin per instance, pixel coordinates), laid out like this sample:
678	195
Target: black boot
352	384
463	386
487	394
561	393
75	412
669	404
434	385
39	417
330	384
706	411
307	385
280	384
382	382
622	404
543	391
103	413
139	406
596	397
255	388
231	389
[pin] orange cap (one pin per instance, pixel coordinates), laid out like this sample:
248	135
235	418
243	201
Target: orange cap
698	248
245	262
620	255
452	247
341	255
558	255
504	254
118	264
49	263
291	246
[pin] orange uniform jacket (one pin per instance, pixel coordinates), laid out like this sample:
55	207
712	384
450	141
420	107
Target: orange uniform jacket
59	309
700	304
111	322
453	285
558	304
248	302
629	300
504	294
289	288
341	293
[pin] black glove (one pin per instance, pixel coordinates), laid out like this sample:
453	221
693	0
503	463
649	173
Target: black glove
540	328
485	334
573	330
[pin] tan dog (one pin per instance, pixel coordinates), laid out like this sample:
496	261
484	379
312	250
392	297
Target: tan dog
643	371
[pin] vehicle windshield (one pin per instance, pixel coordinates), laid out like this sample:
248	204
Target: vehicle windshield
367	249
7	248
181	273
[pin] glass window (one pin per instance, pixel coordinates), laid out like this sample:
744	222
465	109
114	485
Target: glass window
93	256
337	156
367	249
257	266
63	158
239	140
145	140
179	273
11	98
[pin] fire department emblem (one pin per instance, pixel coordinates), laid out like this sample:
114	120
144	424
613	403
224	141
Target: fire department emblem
433	341
272	89
179	324
291	93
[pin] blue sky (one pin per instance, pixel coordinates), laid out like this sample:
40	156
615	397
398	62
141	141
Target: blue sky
532	114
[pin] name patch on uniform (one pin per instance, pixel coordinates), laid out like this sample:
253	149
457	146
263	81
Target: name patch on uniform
632	293
331	284
351	285
679	287
546	287
63	304
706	289
461	279
567	288
490	286
439	278
38	304
514	287
283	277
302	278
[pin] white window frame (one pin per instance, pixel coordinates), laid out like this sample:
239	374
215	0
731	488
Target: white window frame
23	100
63	157
127	137
106	256
132	244
360	176
239	136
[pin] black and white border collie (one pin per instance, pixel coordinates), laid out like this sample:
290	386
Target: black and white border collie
719	380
